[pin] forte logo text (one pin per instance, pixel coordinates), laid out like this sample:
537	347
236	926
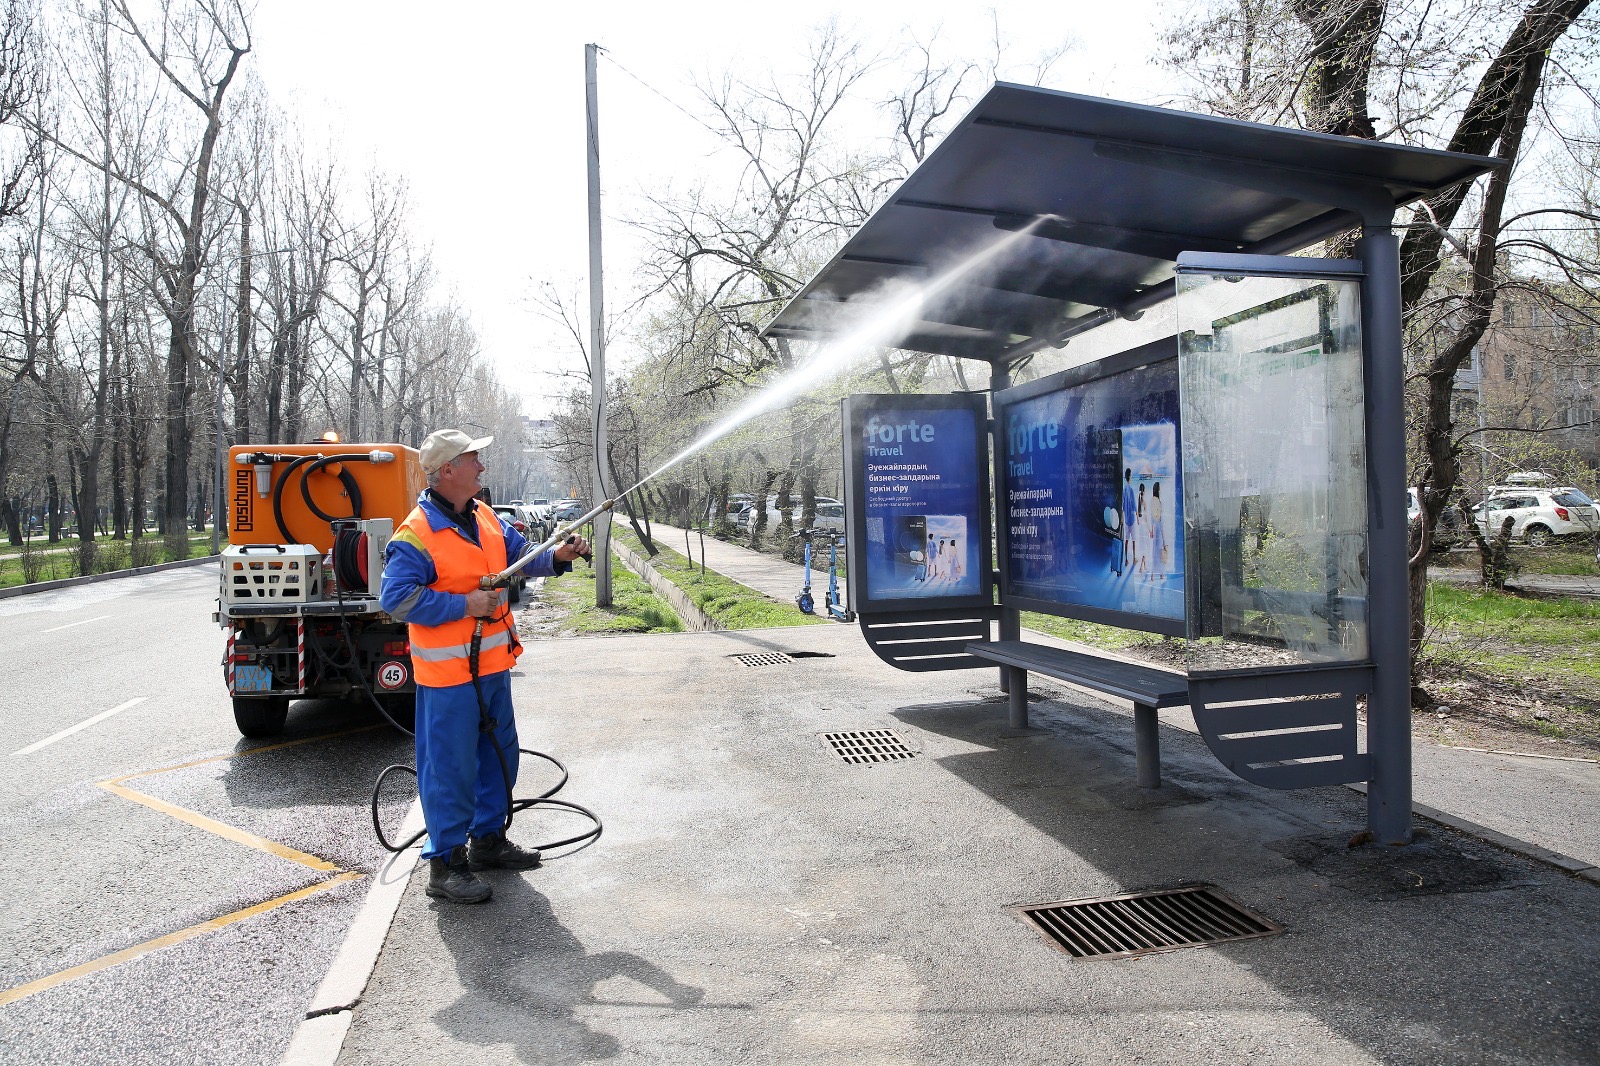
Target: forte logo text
885	439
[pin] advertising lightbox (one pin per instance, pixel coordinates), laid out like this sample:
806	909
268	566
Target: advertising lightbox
1091	500
917	502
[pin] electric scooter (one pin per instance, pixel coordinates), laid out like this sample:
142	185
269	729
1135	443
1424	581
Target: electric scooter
803	599
836	609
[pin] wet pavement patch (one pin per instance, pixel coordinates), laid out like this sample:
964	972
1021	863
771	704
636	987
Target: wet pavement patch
1428	866
1128	796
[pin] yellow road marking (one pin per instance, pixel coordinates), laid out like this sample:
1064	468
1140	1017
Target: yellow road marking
104	962
210	825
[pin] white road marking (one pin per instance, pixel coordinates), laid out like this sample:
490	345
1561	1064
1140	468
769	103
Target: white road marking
67	732
69	625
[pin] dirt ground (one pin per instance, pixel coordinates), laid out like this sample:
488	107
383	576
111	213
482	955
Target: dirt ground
1468	708
1473	709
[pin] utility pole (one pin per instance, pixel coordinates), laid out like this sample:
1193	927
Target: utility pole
597	339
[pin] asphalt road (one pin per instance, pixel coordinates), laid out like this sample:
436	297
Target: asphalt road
150	849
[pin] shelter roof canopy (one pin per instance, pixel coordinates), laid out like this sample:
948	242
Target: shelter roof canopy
1109	193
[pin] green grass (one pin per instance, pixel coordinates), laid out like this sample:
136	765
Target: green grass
1093	634
731	604
53	563
1554	620
634	608
1517	637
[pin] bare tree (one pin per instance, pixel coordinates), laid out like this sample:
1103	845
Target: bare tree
1321	64
197	52
22	86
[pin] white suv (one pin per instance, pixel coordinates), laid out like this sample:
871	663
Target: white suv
1538	515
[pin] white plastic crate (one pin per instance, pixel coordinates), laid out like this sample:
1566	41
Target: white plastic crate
271	573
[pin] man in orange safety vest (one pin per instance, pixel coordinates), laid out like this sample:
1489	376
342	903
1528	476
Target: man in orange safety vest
432	570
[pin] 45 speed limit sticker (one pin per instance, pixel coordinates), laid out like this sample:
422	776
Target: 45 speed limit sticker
392	674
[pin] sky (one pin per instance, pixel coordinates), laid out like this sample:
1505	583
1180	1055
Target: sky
481	111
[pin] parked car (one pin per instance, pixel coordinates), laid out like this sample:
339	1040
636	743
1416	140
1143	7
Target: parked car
568	510
513	515
1448	533
829	516
1538	516
738	504
536	525
748	519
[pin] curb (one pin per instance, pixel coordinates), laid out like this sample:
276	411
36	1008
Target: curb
319	1038
70	582
693	617
1533	852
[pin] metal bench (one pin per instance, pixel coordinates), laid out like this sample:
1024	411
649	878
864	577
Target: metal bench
1148	687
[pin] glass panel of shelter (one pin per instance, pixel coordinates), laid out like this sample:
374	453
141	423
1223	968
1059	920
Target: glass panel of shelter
1274	468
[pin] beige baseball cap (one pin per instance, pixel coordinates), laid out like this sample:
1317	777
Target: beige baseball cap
443	445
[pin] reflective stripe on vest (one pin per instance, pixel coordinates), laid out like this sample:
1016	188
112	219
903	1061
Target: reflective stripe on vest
439	654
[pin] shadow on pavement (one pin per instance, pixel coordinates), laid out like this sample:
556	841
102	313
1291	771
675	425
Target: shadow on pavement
1446	950
531	992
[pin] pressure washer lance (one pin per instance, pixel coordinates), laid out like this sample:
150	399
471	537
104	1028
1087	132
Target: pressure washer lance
503	579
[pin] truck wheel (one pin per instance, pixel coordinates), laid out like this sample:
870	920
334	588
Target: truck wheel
260	716
1539	536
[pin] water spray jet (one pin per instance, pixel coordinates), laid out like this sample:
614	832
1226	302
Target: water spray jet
878	330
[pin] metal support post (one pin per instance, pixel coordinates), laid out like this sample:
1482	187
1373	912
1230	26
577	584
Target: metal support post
1388	582
1017	691
1147	745
597	339
1010	619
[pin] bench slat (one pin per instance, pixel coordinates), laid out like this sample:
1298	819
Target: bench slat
1148	685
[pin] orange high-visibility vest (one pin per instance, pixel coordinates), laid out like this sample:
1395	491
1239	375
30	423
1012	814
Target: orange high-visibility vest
439	654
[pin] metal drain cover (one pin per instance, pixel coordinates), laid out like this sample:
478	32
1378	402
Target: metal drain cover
763	658
869	745
1135	923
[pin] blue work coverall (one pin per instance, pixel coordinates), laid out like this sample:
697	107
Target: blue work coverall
459	778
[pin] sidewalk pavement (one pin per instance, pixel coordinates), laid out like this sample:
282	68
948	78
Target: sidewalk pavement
1541	584
762	572
757	899
1556	804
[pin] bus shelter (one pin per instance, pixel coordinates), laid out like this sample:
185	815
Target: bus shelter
1236	477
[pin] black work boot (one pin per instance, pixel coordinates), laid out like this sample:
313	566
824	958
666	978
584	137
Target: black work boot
492	851
453	879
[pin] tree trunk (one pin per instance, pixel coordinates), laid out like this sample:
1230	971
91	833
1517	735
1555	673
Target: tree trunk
1439	444
245	320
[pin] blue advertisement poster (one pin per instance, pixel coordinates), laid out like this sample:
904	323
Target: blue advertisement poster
1093	503
922	488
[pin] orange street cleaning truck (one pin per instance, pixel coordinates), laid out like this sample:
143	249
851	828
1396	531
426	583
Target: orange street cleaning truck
307	528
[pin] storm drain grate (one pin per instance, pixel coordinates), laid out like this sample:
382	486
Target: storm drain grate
763	658
1111	927
869	745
